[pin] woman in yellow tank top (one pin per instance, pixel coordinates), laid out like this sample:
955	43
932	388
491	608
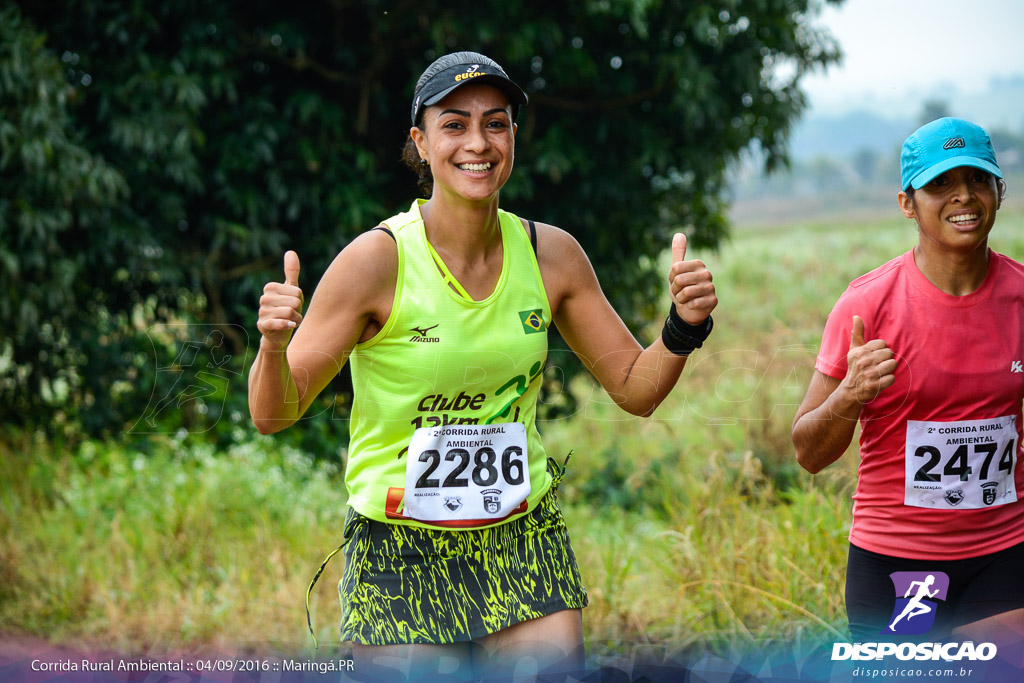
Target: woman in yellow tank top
455	547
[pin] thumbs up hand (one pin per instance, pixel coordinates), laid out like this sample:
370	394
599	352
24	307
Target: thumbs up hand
690	284
281	304
871	365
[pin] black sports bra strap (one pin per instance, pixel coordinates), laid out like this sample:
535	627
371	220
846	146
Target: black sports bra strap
387	230
533	237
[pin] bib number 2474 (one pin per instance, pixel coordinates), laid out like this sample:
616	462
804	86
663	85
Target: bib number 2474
967	464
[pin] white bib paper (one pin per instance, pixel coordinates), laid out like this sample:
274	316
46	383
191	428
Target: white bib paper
963	465
466	472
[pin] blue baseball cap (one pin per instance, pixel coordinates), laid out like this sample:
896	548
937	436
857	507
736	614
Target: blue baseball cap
947	143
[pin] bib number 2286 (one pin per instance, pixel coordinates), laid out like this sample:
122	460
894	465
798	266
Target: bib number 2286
966	465
466	472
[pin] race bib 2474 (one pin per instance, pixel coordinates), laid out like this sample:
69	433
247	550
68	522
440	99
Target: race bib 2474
962	465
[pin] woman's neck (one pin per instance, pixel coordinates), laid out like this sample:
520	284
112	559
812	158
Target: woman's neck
955	273
461	228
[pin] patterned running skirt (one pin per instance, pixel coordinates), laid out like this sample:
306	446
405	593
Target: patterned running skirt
410	585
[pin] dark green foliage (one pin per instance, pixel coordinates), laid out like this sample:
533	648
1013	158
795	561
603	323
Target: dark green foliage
57	235
159	157
616	483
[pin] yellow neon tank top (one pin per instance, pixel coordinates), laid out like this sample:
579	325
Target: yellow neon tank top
442	359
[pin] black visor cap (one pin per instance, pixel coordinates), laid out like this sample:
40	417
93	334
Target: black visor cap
444	82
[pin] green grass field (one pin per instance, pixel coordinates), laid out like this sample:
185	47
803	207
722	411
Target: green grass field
694	529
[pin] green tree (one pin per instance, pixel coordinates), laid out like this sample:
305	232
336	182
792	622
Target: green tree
242	130
55	205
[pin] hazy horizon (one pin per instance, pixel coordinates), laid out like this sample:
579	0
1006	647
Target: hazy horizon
897	55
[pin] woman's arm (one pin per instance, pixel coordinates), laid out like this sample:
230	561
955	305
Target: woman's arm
824	424
826	420
351	303
637	379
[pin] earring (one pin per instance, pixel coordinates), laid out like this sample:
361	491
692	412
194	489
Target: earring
424	162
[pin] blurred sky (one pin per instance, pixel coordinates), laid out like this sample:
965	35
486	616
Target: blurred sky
898	52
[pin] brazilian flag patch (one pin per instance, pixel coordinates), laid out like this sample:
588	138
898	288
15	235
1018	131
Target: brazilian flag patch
532	321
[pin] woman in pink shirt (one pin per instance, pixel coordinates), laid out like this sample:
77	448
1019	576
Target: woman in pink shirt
925	352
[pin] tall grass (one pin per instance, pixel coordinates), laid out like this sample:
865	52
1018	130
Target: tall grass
694	529
169	549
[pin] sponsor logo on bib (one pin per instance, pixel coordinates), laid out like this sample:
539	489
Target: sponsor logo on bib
492	501
988	492
955	496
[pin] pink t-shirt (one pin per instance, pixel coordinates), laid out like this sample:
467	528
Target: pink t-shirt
940	474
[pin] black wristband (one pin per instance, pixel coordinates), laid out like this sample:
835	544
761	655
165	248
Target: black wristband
682	338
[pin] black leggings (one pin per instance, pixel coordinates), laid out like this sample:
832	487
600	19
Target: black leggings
978	587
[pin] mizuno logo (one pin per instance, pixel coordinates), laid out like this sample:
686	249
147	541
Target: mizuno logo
1016	366
954	142
422	332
